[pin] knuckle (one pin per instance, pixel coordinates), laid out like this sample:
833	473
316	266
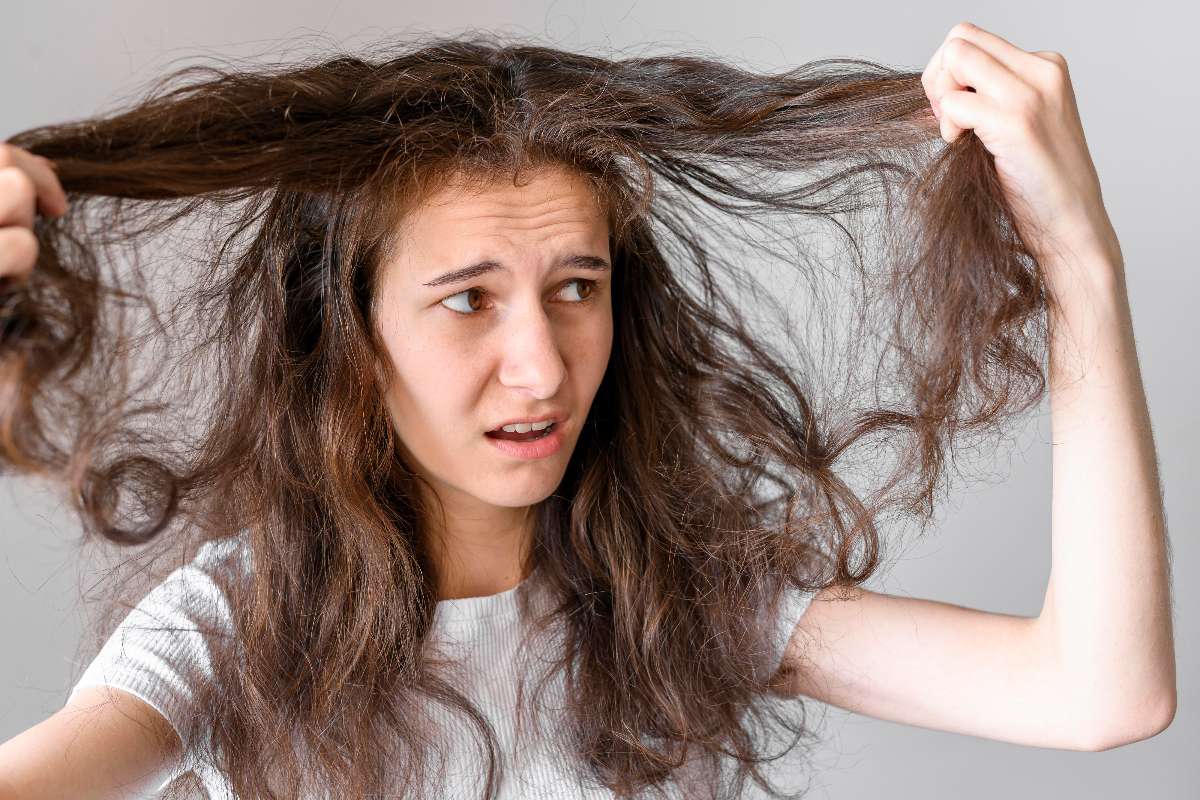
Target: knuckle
1052	68
1057	73
963	28
16	181
18	250
957	47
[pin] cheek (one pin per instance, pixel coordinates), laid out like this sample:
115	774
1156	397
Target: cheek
590	350
435	384
422	362
603	335
428	399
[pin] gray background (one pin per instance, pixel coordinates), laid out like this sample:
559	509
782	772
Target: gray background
1134	78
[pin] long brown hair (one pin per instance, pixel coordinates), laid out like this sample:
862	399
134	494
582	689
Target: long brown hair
711	475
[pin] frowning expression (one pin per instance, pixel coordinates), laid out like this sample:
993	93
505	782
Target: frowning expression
496	306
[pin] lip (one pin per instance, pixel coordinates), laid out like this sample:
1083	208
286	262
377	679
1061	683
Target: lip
539	448
558	417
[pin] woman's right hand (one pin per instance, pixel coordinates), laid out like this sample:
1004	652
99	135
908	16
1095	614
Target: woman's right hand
27	183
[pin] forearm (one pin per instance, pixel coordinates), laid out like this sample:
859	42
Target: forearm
1107	609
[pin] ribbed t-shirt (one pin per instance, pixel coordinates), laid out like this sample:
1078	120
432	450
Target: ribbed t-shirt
159	654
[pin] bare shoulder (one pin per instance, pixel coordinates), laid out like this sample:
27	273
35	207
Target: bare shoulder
105	743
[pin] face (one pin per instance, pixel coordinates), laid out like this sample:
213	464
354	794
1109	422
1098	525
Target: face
529	337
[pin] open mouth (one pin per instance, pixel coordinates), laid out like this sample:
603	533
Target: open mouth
528	436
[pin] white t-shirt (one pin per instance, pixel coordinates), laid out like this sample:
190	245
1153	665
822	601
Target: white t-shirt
157	653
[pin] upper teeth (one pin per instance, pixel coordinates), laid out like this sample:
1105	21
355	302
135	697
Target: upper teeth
526	427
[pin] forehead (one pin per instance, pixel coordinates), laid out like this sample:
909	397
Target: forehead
550	202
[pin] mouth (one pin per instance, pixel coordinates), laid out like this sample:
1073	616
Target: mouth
529	446
529	436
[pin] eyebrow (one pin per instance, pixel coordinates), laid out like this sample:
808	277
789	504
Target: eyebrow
483	267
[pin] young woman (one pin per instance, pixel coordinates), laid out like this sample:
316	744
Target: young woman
404	584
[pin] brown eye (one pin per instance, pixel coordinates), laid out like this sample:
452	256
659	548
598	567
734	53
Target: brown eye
472	307
587	288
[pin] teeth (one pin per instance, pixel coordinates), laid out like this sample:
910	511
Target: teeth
526	427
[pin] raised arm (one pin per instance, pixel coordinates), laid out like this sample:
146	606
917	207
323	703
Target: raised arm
1096	668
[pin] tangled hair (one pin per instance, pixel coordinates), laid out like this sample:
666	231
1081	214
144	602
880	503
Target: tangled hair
710	475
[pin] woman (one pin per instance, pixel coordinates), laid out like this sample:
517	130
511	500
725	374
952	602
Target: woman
427	247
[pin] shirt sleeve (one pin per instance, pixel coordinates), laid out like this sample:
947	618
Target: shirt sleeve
160	651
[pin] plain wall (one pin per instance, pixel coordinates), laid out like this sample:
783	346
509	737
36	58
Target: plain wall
1133	74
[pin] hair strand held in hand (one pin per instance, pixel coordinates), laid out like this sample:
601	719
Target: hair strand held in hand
711	473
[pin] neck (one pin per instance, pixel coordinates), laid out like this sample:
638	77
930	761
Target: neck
475	555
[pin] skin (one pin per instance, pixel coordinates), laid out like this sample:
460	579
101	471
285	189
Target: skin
1094	670
526	345
535	347
28	186
531	346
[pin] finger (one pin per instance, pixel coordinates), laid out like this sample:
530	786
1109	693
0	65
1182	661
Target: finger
17	195
1018	61
999	48
965	65
930	74
18	251
51	199
941	82
971	109
927	75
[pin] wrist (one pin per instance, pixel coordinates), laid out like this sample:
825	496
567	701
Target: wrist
1085	235
1091	262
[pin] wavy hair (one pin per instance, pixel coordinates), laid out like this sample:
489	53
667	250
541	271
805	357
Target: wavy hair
713	472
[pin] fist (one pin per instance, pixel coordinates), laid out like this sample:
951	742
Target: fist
28	185
1021	105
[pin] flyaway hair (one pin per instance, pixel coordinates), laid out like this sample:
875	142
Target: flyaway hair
714	470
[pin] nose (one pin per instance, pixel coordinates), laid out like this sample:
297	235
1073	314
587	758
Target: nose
529	358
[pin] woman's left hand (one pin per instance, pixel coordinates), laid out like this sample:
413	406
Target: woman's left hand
1023	109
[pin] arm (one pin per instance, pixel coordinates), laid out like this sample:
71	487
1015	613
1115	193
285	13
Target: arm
105	745
1107	609
931	664
1097	667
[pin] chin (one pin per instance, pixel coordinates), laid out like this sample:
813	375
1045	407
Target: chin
513	491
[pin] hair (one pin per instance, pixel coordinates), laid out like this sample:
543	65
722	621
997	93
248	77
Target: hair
711	474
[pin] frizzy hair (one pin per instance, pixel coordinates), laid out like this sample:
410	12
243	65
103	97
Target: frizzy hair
710	474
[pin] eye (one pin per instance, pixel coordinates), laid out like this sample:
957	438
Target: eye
471	308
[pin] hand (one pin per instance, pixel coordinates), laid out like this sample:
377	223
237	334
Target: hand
1022	107
26	182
